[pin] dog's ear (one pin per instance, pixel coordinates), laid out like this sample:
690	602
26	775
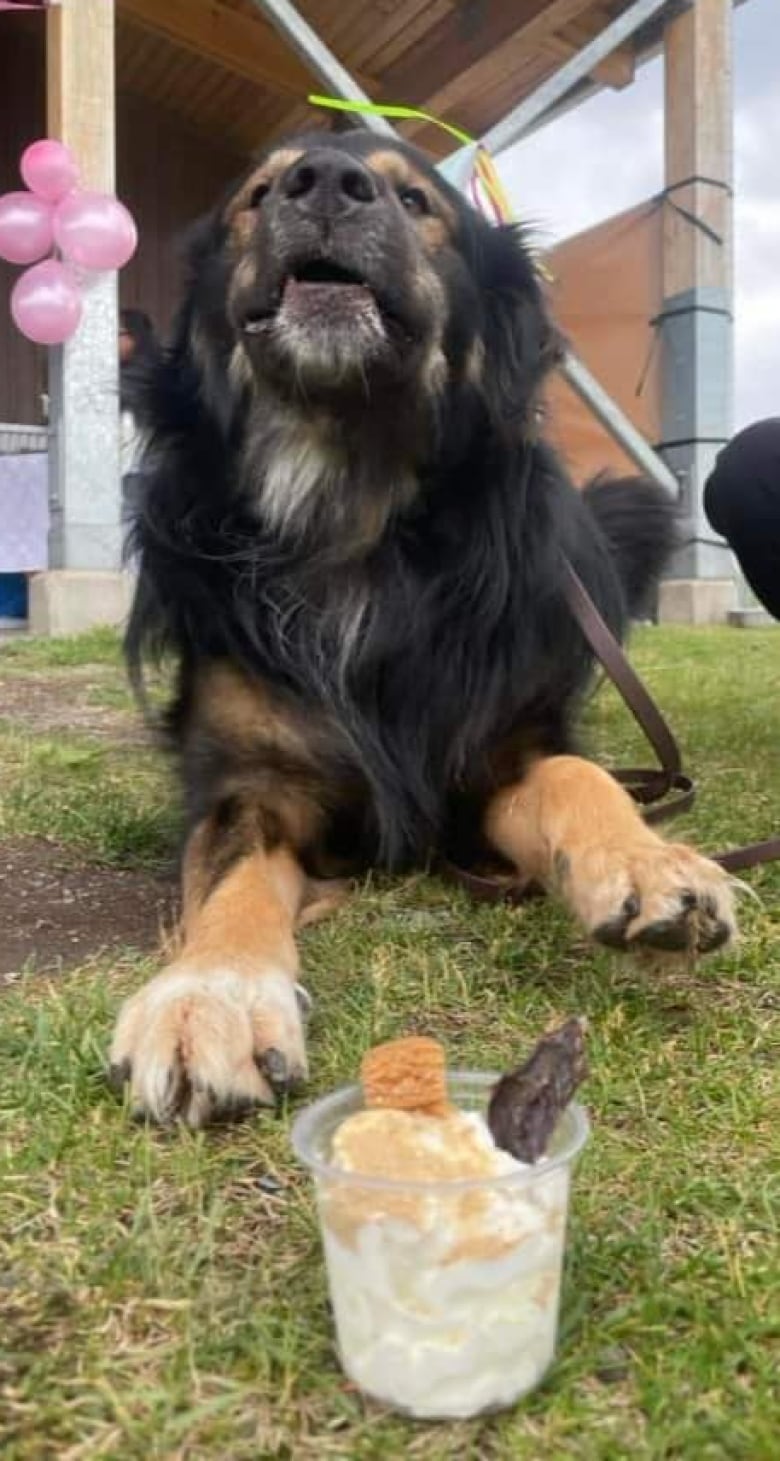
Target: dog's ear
521	342
203	341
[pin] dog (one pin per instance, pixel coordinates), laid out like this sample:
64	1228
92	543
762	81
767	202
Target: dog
351	543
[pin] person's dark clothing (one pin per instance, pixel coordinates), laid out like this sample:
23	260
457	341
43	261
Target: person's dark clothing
742	503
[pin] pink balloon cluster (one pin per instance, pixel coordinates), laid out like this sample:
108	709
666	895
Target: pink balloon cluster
90	231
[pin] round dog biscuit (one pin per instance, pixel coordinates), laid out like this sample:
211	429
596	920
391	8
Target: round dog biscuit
408	1074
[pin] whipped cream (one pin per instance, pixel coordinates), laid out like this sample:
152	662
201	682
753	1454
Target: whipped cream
445	1299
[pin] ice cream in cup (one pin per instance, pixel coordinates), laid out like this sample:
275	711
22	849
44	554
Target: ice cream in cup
443	1250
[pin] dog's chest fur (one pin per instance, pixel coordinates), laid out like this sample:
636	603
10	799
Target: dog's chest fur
310	476
398	675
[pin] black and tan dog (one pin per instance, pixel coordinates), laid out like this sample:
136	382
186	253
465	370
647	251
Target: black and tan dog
352	544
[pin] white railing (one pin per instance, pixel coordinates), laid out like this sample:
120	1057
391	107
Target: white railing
15	438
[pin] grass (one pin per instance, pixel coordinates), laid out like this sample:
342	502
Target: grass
159	1298
96	647
115	806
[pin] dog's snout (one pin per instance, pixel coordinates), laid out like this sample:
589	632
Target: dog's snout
325	181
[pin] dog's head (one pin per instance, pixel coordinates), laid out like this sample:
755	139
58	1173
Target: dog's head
346	265
342	268
344	286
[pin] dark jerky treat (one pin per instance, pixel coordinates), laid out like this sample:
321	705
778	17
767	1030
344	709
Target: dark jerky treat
527	1103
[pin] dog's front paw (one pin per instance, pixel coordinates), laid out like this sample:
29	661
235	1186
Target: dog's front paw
654	894
197	1044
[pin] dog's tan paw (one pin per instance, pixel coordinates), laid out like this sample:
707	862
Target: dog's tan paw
197	1045
653	894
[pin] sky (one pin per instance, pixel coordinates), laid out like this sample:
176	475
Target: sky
607	155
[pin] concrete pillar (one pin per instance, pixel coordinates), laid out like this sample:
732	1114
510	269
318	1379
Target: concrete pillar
84	477
697	326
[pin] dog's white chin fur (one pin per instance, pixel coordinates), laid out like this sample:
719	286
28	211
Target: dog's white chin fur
334	351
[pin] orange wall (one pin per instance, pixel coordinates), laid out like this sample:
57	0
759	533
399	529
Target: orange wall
605	292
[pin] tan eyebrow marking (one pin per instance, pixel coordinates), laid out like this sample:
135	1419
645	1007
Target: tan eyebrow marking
238	209
399	170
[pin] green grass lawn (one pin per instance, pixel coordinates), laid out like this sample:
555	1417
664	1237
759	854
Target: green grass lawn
159	1300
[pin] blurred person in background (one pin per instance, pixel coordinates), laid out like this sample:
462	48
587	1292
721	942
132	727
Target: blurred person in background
138	350
742	503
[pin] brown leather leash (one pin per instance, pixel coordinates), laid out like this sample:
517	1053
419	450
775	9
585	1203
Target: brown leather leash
663	792
649	788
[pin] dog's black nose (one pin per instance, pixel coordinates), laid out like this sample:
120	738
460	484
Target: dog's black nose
329	182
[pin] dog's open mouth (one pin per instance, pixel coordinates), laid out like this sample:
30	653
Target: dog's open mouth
325	274
319	290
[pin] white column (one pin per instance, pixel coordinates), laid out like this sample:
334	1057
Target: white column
697	327
85	490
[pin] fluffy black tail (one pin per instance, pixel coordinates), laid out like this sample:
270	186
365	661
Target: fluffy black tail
638	520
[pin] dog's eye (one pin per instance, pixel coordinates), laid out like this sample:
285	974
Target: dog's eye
414	200
258	194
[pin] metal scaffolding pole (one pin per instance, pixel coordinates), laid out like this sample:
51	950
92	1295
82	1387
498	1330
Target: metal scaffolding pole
315	53
519	121
323	63
581	380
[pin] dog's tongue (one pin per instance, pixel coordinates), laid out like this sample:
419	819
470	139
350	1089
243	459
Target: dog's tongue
310	296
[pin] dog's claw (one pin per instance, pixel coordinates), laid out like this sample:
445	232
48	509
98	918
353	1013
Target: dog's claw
305	1002
612	932
273	1065
670	935
118	1075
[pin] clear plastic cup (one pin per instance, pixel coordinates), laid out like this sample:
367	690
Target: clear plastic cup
445	1293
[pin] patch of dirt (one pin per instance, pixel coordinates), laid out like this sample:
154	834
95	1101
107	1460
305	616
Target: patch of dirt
67	701
57	912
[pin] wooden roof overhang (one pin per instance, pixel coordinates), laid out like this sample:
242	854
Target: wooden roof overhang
225	71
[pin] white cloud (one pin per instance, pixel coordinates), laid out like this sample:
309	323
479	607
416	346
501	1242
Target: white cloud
595	161
757	250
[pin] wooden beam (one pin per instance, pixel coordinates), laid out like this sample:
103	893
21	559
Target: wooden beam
616	70
80	86
241	44
697	336
448	67
699	144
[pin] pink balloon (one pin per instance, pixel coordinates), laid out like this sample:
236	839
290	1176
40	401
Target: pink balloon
95	231
26	228
46	304
49	169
